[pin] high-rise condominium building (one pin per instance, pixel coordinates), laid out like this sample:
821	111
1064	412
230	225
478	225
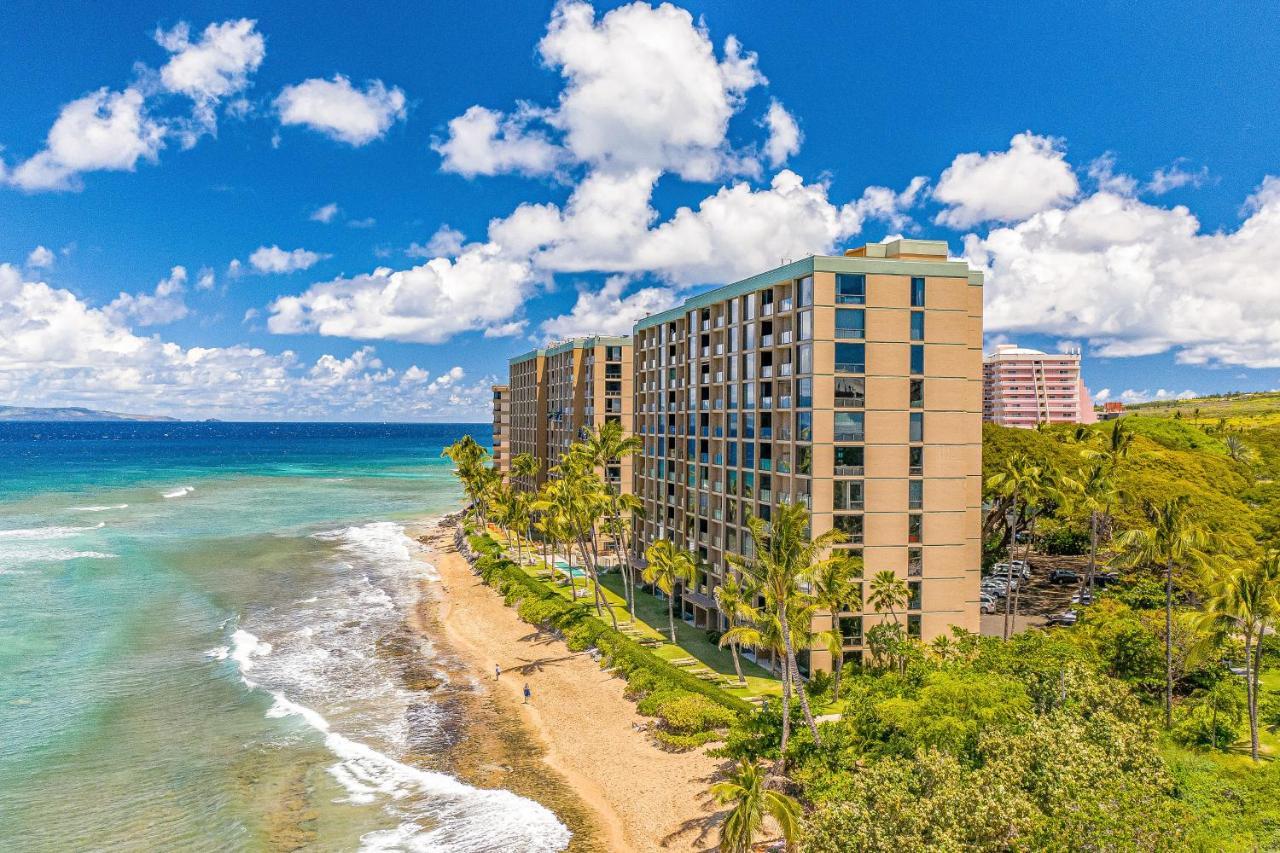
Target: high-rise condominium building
1025	388
852	384
501	427
558	392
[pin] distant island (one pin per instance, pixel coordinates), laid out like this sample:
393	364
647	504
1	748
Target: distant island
70	413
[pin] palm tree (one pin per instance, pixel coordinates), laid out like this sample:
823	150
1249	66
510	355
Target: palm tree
734	600
744	789
604	446
785	555
468	457
1097	492
668	566
836	586
888	592
1172	540
1238	450
1248	599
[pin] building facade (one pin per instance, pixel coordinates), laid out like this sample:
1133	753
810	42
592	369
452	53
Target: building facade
1026	387
502	427
852	384
560	391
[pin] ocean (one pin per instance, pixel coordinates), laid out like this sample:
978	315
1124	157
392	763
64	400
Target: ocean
195	621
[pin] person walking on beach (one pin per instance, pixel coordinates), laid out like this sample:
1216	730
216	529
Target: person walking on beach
527	693
497	672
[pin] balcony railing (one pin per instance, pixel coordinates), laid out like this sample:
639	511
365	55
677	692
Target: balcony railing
850	367
849	470
849	435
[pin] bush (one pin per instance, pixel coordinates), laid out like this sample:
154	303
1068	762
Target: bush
691	710
1064	540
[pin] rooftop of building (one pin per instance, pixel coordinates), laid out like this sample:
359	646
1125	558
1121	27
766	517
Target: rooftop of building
1014	351
896	257
558	347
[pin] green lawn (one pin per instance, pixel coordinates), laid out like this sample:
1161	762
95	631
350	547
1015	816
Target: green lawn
651	622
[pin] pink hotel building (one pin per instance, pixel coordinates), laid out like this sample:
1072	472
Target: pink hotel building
1025	388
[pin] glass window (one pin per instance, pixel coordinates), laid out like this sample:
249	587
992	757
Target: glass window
915	494
804	426
804	392
733	426
749	336
850	393
748	367
917	393
850	526
804	459
849	461
915	562
917	358
915	528
917	293
733	310
913	626
748	426
851	289
748	489
851	358
851	323
804	357
749	306
916	432
748	455
749	395
805	289
806	325
917	325
732	452
851	628
849	426
848	494
915	461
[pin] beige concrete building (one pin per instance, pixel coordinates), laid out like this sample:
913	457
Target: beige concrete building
501	427
560	391
852	384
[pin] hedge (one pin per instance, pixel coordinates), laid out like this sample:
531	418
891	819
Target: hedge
691	709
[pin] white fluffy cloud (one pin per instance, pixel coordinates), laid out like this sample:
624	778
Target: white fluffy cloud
445	243
784	134
1137	279
40	258
1006	186
165	304
273	259
425	304
341	111
112	130
104	130
643	90
1145	395
482	141
324	213
607	225
607	311
55	349
215	65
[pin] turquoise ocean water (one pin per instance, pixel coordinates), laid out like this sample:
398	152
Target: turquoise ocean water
189	619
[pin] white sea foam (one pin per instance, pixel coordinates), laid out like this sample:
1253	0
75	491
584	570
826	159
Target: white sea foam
52	532
181	491
323	656
218	653
98	508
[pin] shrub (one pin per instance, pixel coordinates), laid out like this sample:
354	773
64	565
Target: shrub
686	713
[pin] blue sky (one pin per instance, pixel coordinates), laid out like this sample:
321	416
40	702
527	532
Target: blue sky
372	213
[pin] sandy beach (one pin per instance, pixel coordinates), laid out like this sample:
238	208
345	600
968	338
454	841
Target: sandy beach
638	796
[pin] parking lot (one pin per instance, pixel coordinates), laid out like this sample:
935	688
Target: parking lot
1038	600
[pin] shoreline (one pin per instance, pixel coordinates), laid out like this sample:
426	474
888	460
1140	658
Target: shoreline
634	795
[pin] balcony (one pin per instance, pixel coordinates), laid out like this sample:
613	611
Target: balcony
849	470
849	435
766	496
785	305
784	369
766	371
850	367
766	310
766	402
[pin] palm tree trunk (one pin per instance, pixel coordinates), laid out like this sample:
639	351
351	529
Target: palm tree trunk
1093	548
1008	574
1168	645
795	673
835	685
786	712
671	613
737	667
1251	679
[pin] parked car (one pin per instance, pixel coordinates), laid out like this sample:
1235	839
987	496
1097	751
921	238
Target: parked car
1065	618
987	603
995	587
1082	597
1104	578
1021	567
1063	576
